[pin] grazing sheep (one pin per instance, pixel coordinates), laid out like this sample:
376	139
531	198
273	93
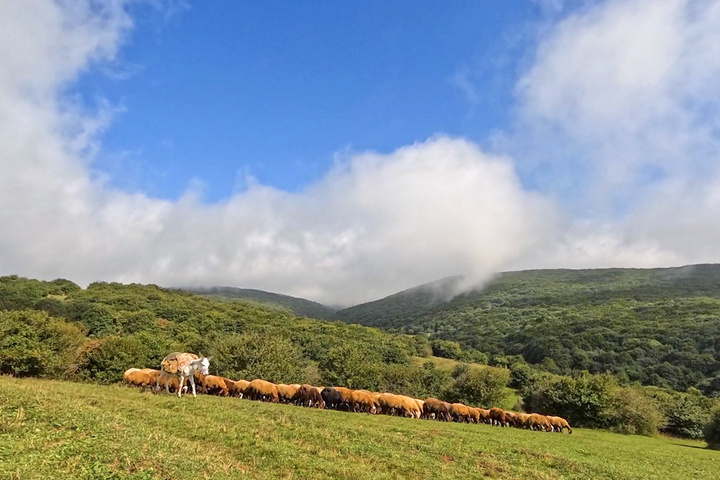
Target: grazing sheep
363	401
262	390
338	398
286	392
436	409
459	412
474	414
213	385
398	405
497	417
308	396
539	422
511	419
523	420
137	378
239	388
558	423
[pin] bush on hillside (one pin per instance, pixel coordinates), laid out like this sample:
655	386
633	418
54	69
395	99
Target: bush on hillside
105	360
686	414
446	349
485	387
712	430
34	344
595	401
351	366
251	356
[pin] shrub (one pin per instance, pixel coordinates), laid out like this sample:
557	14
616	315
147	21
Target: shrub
105	360
251	356
446	349
34	344
478	386
595	401
351	366
712	430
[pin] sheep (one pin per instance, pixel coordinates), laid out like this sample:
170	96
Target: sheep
286	392
308	396
239	388
213	385
539	422
338	398
497	417
363	401
558	423
436	409
262	390
459	412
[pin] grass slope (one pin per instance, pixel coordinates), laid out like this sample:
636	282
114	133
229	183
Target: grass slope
51	429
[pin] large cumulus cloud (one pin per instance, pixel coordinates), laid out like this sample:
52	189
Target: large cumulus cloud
375	224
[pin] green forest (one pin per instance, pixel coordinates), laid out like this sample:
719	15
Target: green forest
657	327
59	330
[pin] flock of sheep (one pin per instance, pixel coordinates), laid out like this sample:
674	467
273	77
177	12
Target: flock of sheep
341	398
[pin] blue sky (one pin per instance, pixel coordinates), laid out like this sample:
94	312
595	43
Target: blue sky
219	90
342	152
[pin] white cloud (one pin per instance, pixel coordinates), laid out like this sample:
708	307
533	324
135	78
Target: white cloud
624	92
620	115
374	225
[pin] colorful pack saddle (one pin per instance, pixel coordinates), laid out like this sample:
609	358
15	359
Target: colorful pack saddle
176	361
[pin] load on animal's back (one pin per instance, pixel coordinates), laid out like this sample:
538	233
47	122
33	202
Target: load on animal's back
183	365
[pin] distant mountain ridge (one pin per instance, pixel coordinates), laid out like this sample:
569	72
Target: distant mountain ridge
298	306
596	284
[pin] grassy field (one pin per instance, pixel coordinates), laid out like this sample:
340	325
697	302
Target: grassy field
52	429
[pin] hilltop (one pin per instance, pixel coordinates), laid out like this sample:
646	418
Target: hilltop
294	305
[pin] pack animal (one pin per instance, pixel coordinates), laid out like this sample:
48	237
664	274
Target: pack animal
182	366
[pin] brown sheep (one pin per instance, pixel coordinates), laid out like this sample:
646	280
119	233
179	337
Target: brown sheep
410	405
421	405
539	422
558	423
262	390
286	392
436	409
137	378
522	420
484	415
497	417
459	412
213	385
230	385
474	414
363	401
239	388
398	405
308	396
512	419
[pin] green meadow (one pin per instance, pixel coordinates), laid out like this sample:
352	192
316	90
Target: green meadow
54	429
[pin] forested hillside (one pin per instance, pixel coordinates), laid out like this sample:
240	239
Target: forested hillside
655	326
297	306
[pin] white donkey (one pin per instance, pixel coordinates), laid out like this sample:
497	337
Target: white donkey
182	365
